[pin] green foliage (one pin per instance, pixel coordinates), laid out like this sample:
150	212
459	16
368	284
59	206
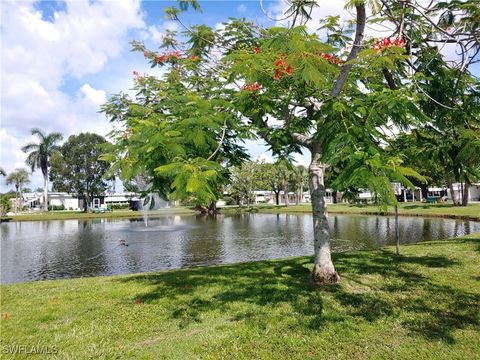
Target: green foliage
77	168
451	136
246	179
195	178
321	97
6	203
56	207
180	130
18	178
40	153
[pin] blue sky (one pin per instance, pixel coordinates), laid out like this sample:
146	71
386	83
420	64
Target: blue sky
61	60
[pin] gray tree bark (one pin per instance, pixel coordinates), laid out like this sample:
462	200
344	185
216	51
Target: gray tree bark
323	269
285	193
466	192
45	192
452	192
16	199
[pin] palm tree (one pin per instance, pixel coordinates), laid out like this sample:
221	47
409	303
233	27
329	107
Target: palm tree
300	179
285	171
18	178
39	155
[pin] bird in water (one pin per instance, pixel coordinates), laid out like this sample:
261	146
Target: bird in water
123	242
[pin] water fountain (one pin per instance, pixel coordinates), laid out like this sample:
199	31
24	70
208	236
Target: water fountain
152	201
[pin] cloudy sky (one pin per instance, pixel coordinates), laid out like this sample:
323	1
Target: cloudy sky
60	60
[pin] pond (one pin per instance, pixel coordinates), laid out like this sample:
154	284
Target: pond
38	250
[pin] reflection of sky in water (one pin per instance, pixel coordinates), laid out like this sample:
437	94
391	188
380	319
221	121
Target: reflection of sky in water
72	248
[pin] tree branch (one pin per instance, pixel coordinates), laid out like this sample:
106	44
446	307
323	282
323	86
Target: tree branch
389	77
302	140
359	33
220	143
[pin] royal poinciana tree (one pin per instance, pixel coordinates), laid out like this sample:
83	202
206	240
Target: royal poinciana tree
337	94
180	131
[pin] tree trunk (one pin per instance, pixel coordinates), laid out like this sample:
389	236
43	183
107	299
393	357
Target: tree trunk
397	232
277	197
20	200
466	191
85	203
16	199
334	196
212	209
424	190
323	270
285	193
45	192
452	192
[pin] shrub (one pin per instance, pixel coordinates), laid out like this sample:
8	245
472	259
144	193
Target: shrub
5	203
118	206
229	200
56	207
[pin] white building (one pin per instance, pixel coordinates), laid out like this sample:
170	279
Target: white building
35	200
473	192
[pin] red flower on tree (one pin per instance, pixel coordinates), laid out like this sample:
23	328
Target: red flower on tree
382	44
280	63
282	68
330	58
251	87
160	58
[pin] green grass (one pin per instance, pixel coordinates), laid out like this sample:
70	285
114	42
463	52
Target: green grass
65	215
471	211
422	305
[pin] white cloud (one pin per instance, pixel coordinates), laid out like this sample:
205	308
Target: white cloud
156	33
98	97
45	64
241	8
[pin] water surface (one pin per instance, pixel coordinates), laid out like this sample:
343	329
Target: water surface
39	250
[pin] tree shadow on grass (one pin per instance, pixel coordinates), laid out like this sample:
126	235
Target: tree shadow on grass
252	292
433	310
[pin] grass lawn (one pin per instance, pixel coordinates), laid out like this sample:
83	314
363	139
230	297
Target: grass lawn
422	305
65	215
471	211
